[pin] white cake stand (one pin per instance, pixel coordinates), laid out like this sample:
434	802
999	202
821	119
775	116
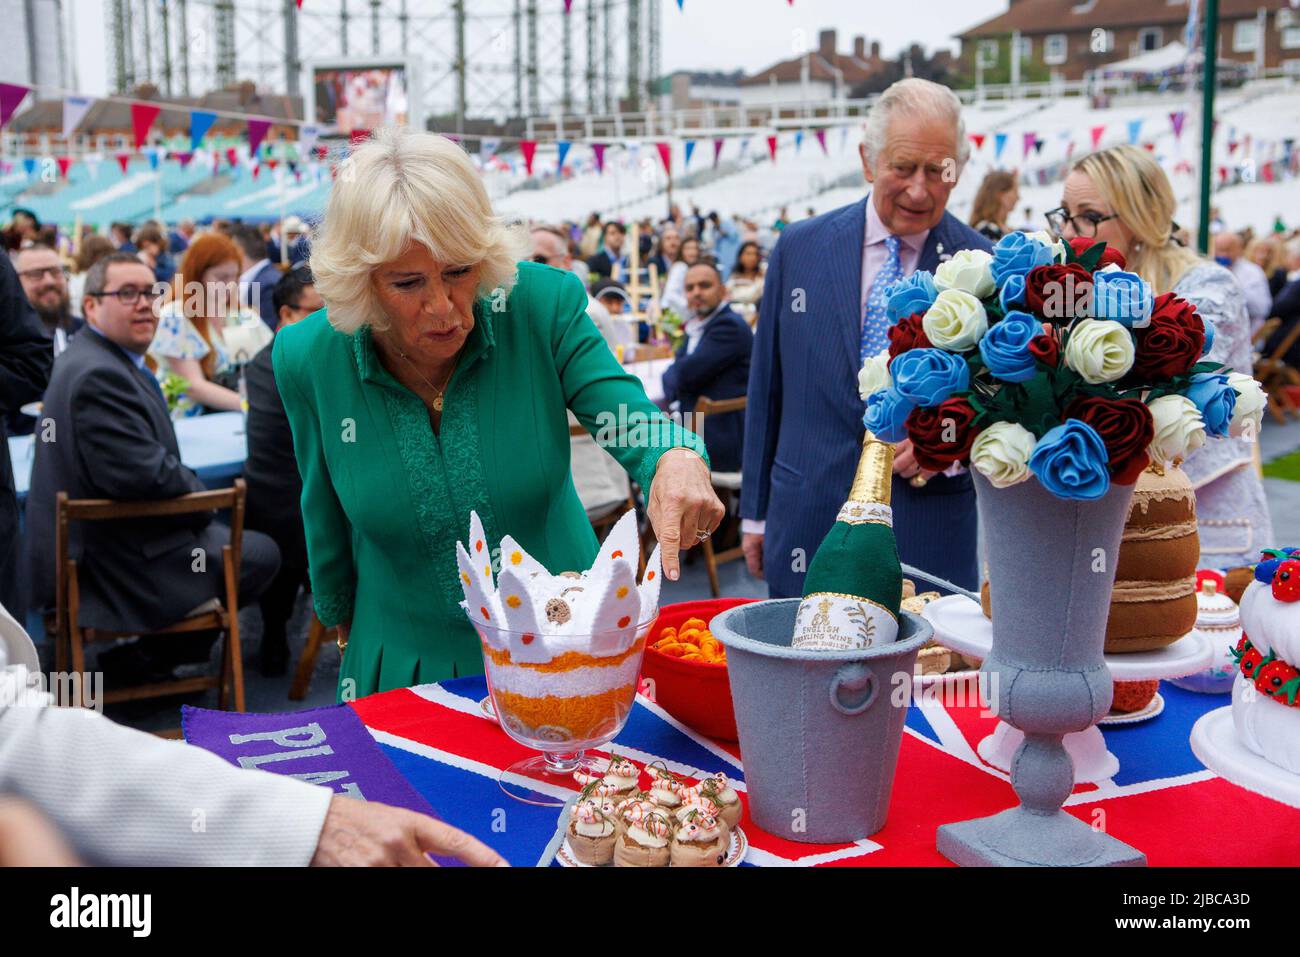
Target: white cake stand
1216	745
959	624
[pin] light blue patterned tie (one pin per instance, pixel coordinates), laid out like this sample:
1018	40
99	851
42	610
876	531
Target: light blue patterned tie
875	323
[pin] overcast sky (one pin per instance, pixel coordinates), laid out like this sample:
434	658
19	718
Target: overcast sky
706	35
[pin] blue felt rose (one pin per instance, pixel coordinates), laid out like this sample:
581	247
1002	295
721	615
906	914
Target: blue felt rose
886	416
1012	292
1070	461
1005	347
1124	297
1209	336
1016	254
1216	399
916	293
926	377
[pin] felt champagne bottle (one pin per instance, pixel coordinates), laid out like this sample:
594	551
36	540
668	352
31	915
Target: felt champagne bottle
854	586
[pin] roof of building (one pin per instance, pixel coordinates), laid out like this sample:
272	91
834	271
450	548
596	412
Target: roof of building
1065	16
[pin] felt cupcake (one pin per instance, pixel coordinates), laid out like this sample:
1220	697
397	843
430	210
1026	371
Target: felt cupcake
667	792
644	842
693	802
592	833
622	775
719	790
700	841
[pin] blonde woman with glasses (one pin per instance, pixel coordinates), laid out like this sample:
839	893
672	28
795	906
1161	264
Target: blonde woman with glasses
436	382
1121	196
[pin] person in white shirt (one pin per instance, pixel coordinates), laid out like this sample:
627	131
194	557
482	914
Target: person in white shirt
1228	249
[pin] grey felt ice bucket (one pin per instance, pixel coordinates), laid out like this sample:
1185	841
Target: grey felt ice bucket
819	730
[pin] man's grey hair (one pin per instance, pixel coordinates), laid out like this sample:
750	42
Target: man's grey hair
918	99
558	245
97	275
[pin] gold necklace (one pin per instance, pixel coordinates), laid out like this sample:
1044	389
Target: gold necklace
437	392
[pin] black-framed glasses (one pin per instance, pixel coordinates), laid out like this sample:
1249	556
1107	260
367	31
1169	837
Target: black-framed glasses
41	272
1085	224
129	295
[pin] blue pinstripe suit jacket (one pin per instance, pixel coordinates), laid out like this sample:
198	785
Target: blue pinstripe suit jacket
803	422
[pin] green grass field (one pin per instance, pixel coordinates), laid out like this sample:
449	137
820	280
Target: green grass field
1287	467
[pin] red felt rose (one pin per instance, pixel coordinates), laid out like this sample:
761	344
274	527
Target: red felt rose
1046	350
1275	675
1059	294
941	434
1109	256
1125	425
906	334
1171	344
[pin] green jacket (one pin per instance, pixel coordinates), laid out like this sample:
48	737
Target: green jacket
384	499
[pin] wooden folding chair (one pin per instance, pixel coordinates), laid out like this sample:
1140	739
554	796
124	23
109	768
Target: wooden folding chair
726	484
1275	375
71	639
316	632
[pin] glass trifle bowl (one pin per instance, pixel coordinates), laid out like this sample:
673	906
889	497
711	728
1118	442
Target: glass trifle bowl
560	695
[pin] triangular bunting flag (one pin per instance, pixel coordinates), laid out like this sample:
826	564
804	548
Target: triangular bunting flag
1177	118
142	117
529	149
200	122
666	156
487	148
821	140
798	141
232	156
1029	139
568	5
1097	132
154	158
183	158
690	151
561	152
257	130
65	163
29	165
598	151
999	144
771	147
122	160
978	139
308	134
75	109
1134	131
717	151
11	95
1038	146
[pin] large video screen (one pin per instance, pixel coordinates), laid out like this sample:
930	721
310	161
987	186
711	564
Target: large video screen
361	98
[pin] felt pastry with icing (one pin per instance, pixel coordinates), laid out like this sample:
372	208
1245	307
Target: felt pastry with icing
699	841
719	790
621	775
592	833
644	841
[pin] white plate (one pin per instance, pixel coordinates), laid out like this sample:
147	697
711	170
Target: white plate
1151	709
735	852
960	624
1214	741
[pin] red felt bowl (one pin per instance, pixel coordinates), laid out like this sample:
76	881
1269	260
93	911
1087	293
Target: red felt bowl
696	693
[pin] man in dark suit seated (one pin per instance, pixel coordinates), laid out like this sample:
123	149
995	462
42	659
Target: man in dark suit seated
612	257
105	433
46	286
271	471
823	313
713	362
259	275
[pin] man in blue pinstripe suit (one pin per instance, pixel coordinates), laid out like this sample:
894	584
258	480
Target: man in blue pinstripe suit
822	313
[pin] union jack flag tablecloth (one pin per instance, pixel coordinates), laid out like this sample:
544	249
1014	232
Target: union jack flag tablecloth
1162	801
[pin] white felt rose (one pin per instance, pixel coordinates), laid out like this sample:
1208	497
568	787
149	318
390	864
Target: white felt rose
1001	453
1100	350
1051	242
1179	429
874	374
1250	405
956	322
969	270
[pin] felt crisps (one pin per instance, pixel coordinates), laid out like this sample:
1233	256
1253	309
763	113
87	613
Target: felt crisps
691	642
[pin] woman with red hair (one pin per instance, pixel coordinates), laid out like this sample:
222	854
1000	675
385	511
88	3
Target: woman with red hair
204	333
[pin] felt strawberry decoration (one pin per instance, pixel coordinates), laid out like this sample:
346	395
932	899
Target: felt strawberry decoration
1286	581
1251	660
1276	679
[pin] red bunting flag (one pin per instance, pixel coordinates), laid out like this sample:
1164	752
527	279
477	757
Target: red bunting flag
232	156
598	151
322	152
1150	147
299	2
821	138
529	149
1232	147
272	163
1097	132
122	160
257	168
65	163
717	151
666	156
978	139
771	147
1267	171
142	117
1223	173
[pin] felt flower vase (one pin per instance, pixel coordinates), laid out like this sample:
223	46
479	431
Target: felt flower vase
819	730
1052	566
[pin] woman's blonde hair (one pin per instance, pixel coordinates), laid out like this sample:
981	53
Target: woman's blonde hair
397	187
1138	190
1275	256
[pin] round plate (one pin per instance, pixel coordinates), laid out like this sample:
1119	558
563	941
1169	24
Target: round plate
1214	742
735	852
960	624
1152	708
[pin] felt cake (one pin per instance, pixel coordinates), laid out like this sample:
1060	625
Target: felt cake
1153	603
1266	691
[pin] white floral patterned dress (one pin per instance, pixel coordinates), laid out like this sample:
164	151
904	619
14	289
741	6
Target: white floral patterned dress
236	341
1231	509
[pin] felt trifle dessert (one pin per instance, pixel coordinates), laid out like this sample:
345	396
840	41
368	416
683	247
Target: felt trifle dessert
562	653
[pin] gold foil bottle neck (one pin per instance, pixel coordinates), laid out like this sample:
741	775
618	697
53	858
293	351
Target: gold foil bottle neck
874	479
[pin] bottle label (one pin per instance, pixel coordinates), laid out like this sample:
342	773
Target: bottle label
832	622
861	513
